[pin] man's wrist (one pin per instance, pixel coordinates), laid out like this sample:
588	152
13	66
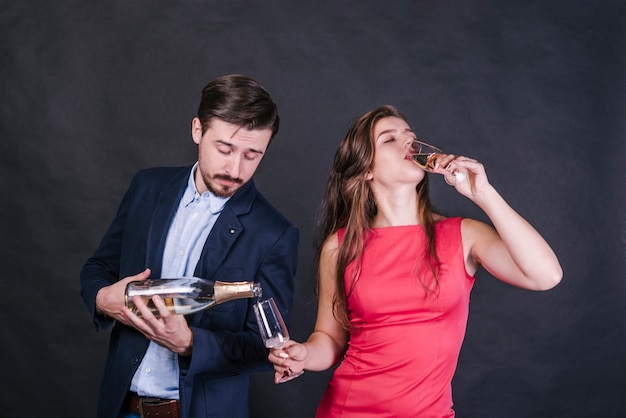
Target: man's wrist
186	352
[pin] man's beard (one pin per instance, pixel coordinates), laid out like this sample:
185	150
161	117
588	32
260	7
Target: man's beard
224	191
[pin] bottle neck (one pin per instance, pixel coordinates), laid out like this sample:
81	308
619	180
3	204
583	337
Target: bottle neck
225	291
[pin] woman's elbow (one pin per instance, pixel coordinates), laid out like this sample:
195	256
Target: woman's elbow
550	279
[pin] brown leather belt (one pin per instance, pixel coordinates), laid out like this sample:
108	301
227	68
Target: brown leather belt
147	407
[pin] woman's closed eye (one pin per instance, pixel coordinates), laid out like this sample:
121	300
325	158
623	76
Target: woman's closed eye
393	139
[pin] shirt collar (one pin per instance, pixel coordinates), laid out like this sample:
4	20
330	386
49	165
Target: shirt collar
215	203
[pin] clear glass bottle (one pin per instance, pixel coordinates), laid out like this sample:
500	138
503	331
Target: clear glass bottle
188	294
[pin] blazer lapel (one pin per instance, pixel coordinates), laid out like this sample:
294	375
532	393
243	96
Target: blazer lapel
225	231
222	237
162	216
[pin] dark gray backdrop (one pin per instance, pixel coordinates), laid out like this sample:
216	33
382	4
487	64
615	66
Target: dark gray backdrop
93	91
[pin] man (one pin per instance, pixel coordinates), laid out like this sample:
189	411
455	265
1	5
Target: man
207	220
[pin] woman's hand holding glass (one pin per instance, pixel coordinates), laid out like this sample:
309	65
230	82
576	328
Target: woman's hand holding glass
465	174
275	337
288	361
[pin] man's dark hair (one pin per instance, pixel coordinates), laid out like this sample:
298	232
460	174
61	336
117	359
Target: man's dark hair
239	100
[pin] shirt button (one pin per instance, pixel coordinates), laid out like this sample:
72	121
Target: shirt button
181	253
195	214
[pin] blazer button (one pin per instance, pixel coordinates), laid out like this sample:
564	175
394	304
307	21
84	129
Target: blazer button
231	230
134	361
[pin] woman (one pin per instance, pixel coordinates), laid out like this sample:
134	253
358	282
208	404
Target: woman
395	276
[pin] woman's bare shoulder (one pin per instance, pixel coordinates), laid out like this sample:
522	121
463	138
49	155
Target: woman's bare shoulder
330	245
475	231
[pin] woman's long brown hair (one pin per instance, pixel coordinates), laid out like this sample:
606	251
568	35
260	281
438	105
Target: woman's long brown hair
349	203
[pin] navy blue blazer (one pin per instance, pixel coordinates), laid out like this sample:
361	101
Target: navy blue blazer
251	241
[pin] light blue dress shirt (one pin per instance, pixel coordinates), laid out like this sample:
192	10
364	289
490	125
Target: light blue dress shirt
158	372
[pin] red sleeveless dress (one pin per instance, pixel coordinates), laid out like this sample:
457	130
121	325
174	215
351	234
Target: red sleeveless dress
404	343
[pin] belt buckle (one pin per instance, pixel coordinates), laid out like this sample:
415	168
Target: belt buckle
152	402
146	401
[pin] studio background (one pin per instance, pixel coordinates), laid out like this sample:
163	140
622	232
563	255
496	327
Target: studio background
91	92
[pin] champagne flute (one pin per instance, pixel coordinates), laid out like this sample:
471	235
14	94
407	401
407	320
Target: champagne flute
425	155
273	330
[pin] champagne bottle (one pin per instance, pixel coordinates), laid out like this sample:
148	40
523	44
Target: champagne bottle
188	294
